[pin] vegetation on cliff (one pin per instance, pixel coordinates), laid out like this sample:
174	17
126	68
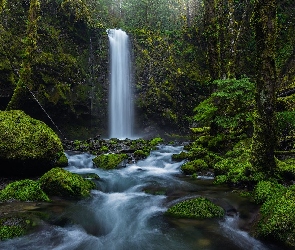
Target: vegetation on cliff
223	70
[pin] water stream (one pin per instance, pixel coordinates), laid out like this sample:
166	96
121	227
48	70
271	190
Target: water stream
120	103
127	212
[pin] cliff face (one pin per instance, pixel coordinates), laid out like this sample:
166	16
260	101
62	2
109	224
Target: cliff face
68	67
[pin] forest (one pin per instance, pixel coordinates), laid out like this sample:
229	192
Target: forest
219	74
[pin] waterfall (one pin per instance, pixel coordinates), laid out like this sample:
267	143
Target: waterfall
120	96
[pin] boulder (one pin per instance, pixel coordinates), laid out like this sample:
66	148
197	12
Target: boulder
197	208
28	147
60	182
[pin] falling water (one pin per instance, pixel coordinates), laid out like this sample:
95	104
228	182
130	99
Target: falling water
120	105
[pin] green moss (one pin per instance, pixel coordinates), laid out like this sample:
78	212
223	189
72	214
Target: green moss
200	130
194	166
109	161
140	154
192	154
104	149
14	226
181	156
156	141
285	169
277	218
235	167
220	179
62	161
60	182
266	190
24	190
27	145
199	208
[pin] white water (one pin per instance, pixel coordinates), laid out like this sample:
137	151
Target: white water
120	103
127	212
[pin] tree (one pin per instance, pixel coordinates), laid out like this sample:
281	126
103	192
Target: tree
25	74
264	138
212	37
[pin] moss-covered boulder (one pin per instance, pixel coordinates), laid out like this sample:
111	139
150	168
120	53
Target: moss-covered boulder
109	161
194	166
198	208
277	217
59	182
28	147
14	226
24	190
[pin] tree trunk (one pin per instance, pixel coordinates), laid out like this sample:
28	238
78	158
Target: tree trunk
212	38
25	75
265	138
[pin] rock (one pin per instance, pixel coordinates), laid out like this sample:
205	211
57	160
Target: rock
197	208
59	182
23	190
110	161
28	147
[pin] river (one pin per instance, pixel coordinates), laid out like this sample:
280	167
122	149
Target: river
127	211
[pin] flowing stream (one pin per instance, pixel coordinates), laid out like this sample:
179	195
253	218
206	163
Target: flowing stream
127	211
120	103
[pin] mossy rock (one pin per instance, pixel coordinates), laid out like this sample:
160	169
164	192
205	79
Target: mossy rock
62	161
140	154
266	190
59	182
156	141
109	161
28	147
198	208
24	190
91	176
192	167
277	218
14	226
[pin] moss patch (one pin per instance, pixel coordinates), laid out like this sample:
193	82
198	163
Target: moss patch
62	183
24	190
194	166
199	208
27	146
277	218
14	226
62	161
109	161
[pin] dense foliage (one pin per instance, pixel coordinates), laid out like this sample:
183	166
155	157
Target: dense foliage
221	69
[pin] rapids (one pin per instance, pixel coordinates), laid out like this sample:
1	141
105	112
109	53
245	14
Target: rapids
127	212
